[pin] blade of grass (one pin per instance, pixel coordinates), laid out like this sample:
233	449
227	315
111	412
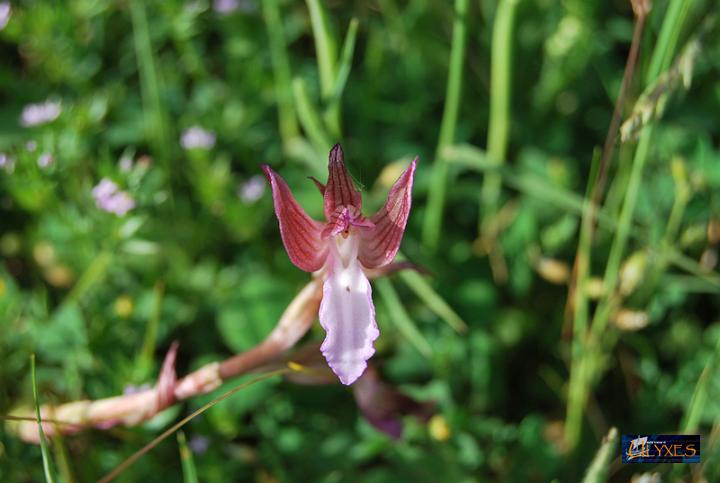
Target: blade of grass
597	472
62	458
165	434
691	420
311	122
343	73
186	459
401	318
47	464
92	275
157	125
433	300
281	72
577	309
436	197
147	353
325	47
499	122
589	365
676	13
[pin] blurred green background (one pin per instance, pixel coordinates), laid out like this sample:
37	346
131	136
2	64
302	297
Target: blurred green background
178	103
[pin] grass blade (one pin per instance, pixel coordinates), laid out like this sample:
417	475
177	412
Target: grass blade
433	300
147	353
47	464
186	458
597	472
310	120
332	113
499	122
325	47
436	197
157	125
281	72
401	318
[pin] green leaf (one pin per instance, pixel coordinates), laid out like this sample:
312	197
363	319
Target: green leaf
47	462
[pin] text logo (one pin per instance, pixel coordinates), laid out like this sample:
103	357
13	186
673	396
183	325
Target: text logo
660	448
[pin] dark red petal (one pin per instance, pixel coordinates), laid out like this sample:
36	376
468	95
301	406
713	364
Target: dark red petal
340	190
380	244
300	233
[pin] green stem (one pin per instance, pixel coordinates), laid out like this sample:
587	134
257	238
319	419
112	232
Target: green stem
93	274
436	198
281	72
600	466
580	313
47	464
310	120
325	47
588	366
150	86
500	85
147	352
400	317
331	115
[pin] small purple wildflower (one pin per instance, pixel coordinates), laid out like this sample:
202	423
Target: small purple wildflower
5	12
45	160
225	7
41	113
104	189
251	190
109	198
197	138
199	444
31	146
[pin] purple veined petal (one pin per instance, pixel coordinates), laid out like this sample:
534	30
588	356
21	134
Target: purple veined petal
379	245
347	314
340	190
343	218
300	234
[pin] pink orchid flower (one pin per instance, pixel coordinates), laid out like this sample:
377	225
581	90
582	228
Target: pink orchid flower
342	249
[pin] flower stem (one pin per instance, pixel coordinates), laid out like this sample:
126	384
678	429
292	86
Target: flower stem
281	72
436	198
500	86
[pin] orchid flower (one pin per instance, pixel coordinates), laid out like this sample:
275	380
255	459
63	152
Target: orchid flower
341	250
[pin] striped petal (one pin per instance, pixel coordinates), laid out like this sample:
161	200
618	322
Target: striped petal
300	234
379	245
347	314
340	190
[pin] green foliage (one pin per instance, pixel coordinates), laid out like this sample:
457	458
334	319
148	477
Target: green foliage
506	102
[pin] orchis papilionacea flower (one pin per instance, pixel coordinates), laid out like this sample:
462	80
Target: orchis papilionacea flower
341	249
